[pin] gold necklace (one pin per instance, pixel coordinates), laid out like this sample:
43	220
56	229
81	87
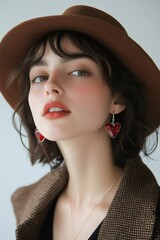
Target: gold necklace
75	235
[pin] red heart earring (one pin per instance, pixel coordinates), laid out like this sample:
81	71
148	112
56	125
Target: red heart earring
39	136
113	128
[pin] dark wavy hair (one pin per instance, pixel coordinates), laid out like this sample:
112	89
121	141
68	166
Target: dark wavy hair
132	137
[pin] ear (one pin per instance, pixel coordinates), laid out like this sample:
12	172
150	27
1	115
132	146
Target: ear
118	104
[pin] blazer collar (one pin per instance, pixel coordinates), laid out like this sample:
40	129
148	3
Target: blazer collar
131	214
35	201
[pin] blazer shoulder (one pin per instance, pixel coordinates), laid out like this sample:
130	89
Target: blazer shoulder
27	200
156	230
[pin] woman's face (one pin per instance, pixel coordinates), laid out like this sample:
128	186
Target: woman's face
69	97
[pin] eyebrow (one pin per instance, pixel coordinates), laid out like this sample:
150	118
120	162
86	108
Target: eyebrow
75	56
71	57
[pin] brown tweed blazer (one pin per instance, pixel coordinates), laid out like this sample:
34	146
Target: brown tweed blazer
131	215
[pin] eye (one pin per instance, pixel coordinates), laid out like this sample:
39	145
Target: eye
79	73
39	79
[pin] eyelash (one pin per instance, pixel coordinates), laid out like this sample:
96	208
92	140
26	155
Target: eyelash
81	71
44	78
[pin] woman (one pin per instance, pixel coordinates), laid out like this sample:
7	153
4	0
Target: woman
84	92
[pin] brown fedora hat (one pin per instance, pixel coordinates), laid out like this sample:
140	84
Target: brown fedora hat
96	24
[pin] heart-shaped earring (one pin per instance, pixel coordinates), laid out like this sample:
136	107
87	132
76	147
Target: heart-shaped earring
39	136
113	128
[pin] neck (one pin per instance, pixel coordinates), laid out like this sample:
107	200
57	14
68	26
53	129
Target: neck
90	165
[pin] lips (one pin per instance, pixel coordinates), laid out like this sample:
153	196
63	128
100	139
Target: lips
55	110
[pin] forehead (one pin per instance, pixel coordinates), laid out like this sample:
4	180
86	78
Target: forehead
69	45
62	47
65	48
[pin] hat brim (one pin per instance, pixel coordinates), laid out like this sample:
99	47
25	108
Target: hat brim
20	39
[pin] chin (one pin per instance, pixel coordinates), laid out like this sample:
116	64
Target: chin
58	137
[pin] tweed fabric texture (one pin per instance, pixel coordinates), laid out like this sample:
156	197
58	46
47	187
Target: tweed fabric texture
131	216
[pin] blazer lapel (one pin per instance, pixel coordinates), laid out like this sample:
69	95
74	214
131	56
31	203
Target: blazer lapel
39	199
132	212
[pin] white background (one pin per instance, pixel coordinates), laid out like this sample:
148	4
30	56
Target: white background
141	18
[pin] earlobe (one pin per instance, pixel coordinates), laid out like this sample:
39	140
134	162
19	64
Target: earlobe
118	108
118	105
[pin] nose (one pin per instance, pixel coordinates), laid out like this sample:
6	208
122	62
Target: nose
52	88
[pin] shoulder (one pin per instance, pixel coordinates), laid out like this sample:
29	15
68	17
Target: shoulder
23	193
156	231
136	198
30	199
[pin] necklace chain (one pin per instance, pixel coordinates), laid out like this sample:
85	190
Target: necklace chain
75	235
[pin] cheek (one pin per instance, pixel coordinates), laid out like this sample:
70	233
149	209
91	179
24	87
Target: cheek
92	105
33	104
93	95
30	100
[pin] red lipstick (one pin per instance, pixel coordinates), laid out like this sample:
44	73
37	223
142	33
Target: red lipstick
55	110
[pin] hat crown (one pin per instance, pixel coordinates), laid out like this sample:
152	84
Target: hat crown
87	11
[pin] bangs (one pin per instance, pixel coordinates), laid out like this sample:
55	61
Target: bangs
84	43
